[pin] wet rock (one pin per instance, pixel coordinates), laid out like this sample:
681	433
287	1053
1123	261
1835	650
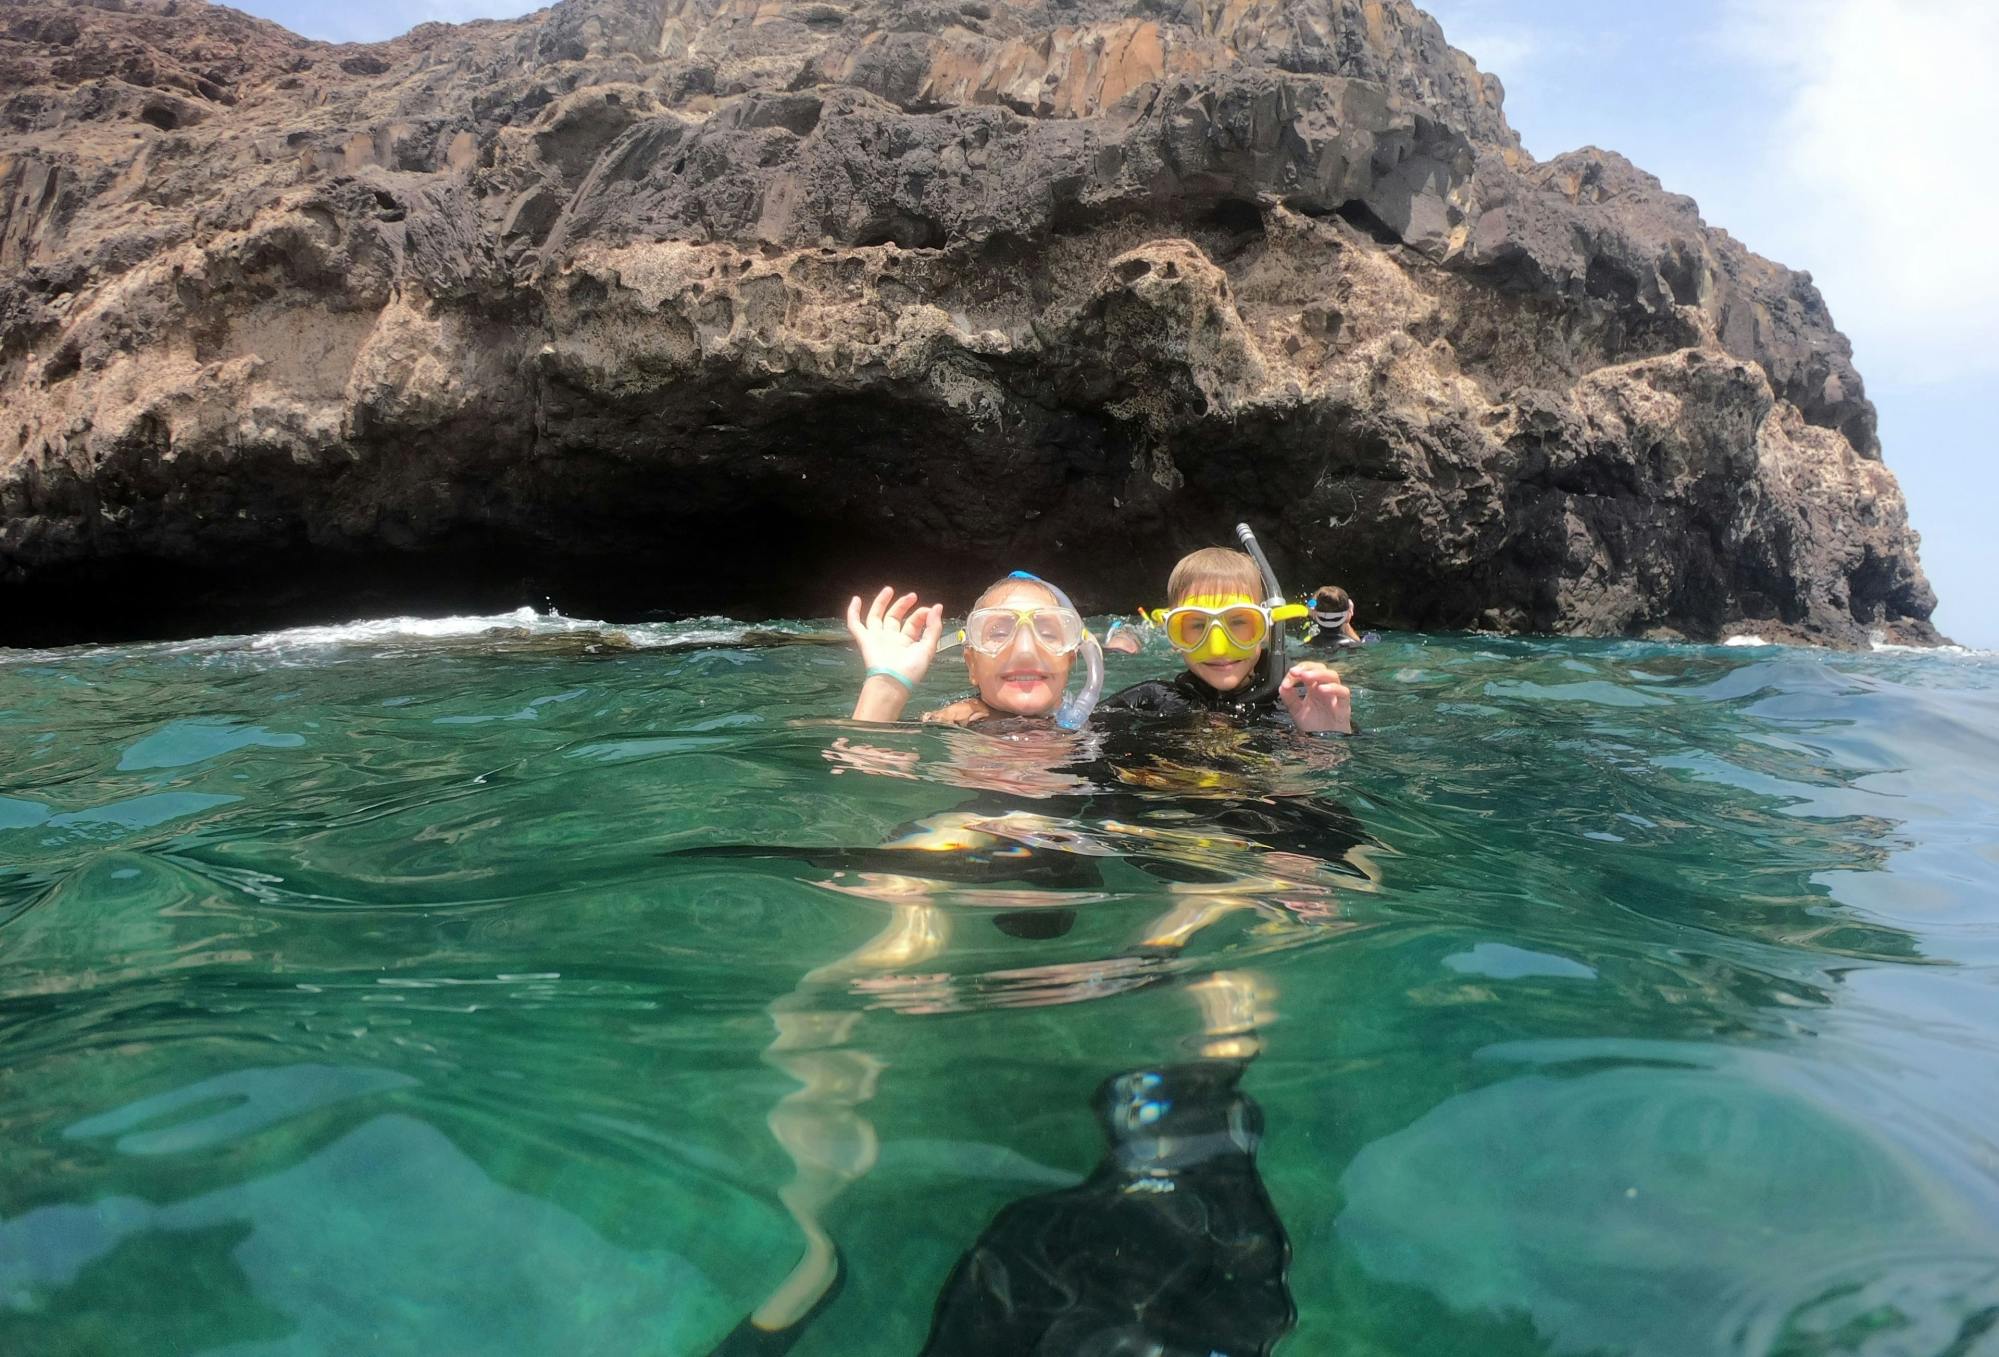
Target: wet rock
706	304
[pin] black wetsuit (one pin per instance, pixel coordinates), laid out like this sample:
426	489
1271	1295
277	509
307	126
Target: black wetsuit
1170	1248
1332	638
1185	693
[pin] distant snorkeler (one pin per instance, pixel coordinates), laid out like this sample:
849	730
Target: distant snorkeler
1226	617
1330	620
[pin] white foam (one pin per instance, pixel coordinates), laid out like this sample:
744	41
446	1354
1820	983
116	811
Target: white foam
1893	648
699	631
415	628
1746	639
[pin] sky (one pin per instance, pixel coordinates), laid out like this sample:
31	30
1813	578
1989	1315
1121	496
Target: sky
1847	138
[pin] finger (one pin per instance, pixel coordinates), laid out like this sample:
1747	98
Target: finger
855	628
932	625
900	608
875	608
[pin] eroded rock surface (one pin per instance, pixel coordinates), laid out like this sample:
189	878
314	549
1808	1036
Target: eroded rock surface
734	304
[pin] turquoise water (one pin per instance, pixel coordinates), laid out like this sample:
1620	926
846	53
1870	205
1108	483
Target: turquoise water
357	993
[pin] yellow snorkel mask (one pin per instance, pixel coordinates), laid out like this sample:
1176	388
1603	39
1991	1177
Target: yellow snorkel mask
1223	626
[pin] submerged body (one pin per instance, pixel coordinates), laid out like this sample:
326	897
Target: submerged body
1081	1270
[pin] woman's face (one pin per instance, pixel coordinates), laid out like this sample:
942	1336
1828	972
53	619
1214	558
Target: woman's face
1024	678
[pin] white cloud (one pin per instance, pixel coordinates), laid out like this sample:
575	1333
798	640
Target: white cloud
1492	35
1881	177
1506	52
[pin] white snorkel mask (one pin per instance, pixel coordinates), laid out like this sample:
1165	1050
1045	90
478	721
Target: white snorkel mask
1075	709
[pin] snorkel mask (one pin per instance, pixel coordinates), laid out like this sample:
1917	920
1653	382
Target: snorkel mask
1057	630
1222	626
990	631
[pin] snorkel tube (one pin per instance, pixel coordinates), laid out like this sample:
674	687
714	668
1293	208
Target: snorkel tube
1276	660
1075	710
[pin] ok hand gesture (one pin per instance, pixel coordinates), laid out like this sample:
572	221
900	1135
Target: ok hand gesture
1317	700
896	635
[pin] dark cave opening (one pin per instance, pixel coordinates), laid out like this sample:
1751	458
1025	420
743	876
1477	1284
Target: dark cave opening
770	502
703	567
751	504
778	505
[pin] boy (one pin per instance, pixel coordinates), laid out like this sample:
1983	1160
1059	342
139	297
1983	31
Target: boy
1221	628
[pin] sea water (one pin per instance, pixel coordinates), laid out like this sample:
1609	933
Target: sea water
358	992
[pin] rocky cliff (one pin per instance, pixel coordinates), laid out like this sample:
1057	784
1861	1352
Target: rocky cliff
738	304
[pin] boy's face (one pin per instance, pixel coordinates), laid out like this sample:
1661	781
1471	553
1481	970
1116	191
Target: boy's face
1208	664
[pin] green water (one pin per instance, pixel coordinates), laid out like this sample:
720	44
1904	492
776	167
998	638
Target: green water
354	998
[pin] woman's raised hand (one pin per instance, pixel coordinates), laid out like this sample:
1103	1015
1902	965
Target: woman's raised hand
895	634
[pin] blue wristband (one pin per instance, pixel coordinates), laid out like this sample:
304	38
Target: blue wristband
889	674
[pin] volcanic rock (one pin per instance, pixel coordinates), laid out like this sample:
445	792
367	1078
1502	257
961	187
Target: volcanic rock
734	305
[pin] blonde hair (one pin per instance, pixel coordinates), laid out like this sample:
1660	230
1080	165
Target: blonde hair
1213	570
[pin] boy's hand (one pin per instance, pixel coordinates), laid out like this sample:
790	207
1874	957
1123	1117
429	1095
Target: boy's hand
896	634
1317	700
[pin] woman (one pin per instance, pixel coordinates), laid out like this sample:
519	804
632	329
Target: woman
1021	640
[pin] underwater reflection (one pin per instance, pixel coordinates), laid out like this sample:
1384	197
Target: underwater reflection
1113	863
1171	1245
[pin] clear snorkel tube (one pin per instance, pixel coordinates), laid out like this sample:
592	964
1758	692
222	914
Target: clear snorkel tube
1075	710
1277	661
